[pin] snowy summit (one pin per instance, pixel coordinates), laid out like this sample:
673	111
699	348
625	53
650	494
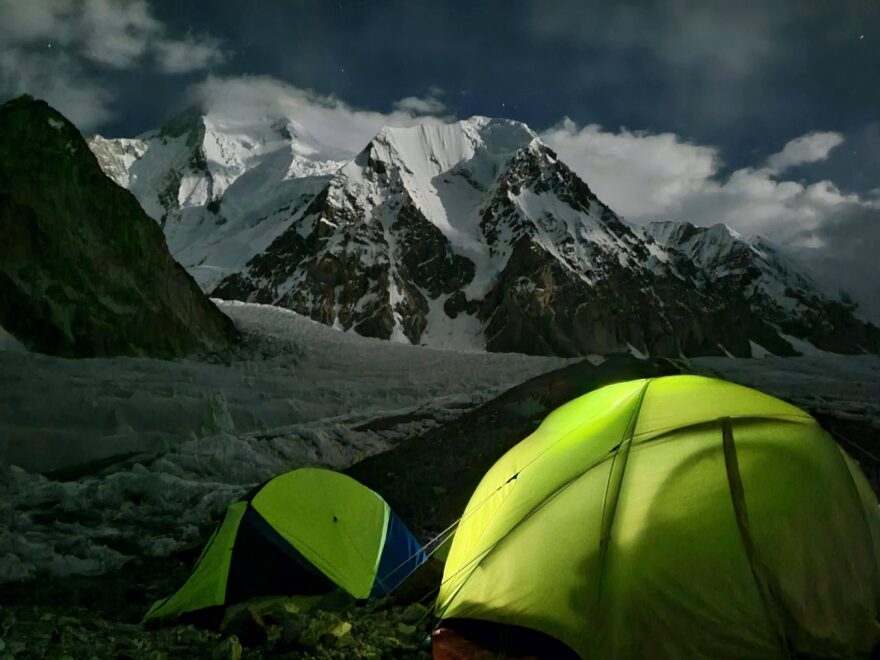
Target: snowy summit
471	234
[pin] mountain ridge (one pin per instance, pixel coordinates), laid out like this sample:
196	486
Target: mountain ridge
473	234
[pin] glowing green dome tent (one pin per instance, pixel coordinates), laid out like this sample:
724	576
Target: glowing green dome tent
306	532
679	517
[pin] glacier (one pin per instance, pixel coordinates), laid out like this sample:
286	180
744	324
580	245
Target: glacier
107	458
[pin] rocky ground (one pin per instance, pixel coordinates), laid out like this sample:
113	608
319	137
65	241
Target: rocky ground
274	629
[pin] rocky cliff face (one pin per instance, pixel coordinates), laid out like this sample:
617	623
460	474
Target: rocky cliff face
469	235
83	271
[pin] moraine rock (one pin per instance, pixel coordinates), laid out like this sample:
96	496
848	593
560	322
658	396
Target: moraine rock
83	271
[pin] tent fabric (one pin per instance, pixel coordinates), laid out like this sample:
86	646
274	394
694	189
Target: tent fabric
674	517
305	532
206	587
265	563
336	523
401	555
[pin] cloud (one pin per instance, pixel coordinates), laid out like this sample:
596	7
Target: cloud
324	120
635	172
26	21
842	253
707	61
856	161
431	104
188	54
808	148
113	33
57	50
646	176
754	201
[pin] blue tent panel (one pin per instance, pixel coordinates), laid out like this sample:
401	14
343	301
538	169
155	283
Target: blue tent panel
401	555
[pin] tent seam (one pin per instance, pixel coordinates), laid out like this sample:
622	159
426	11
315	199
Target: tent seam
482	554
386	521
624	446
529	463
775	610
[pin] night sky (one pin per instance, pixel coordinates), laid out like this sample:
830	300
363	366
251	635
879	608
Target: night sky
742	76
764	114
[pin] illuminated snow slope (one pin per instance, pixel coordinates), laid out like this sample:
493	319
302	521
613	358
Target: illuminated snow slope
222	188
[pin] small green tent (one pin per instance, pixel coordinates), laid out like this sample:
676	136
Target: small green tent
306	532
678	517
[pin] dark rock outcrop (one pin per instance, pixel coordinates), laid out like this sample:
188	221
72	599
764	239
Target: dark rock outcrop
83	270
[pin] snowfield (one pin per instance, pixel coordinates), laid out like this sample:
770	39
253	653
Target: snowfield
142	455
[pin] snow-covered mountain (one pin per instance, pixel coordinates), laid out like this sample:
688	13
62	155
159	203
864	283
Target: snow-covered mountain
776	288
470	234
222	188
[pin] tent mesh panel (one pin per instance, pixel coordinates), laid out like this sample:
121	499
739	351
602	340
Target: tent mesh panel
264	564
